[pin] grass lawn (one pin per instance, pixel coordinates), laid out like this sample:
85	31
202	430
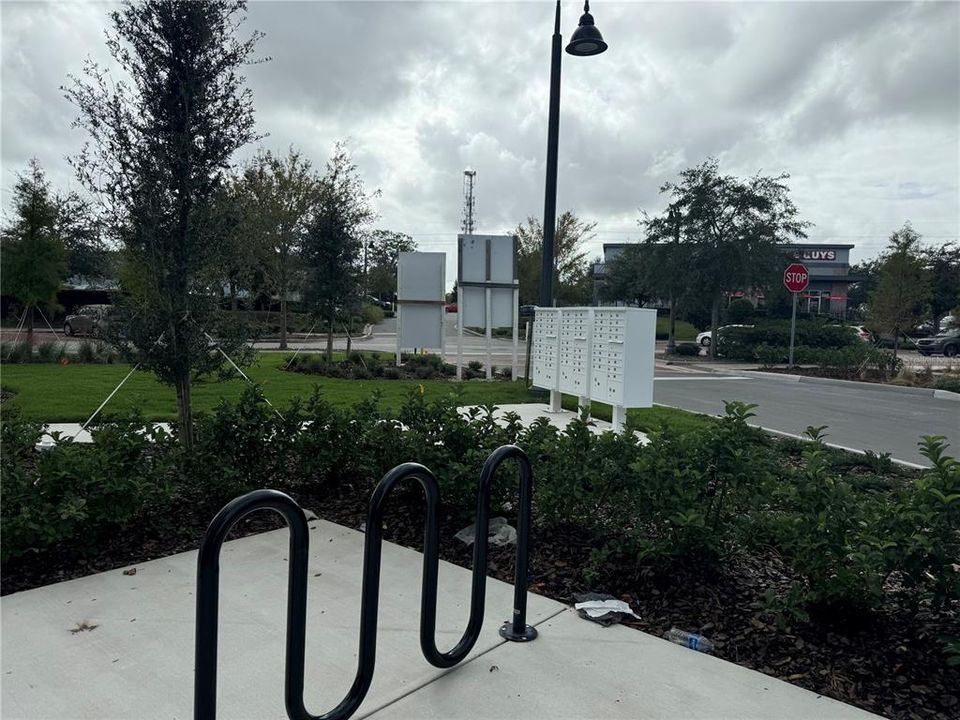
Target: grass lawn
56	393
685	331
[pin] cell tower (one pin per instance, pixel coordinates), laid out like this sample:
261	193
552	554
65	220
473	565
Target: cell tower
468	179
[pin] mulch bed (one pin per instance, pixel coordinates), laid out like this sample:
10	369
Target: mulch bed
889	663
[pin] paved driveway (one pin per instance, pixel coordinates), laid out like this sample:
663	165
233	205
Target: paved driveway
857	415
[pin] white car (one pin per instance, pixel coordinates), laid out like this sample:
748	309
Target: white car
703	339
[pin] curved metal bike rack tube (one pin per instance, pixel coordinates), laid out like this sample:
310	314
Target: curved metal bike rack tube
208	584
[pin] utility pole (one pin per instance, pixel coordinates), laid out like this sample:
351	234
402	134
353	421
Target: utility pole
468	203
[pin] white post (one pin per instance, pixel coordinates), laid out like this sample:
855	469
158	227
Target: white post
489	317
399	325
619	418
556	404
516	332
459	332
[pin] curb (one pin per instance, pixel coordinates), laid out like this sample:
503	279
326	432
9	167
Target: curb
787	378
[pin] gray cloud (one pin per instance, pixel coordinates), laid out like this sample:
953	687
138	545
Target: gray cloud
858	101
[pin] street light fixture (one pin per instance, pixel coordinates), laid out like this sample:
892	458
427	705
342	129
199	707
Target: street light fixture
586	41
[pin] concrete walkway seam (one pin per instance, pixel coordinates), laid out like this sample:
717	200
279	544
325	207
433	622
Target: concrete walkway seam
453	669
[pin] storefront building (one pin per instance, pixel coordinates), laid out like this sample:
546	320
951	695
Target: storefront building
829	268
827	263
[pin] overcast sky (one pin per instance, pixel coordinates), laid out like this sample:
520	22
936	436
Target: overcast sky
857	101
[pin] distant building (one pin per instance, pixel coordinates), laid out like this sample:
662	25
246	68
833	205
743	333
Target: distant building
827	263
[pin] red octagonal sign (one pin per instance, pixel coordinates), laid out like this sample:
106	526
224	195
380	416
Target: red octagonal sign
796	278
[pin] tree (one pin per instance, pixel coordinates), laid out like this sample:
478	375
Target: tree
867	273
34	259
942	268
667	259
81	231
903	288
160	144
333	241
735	230
278	196
571	280
624	277
382	255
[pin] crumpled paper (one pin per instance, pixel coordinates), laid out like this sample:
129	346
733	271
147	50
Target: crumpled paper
498	533
603	609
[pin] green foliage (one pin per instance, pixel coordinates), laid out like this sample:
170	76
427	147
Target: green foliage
182	113
740	343
829	534
899	301
923	524
571	283
372	315
75	492
34	260
688	349
740	311
948	382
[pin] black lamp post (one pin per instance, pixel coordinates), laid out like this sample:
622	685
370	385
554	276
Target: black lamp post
586	41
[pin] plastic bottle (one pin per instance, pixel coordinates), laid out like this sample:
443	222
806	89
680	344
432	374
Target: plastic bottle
690	640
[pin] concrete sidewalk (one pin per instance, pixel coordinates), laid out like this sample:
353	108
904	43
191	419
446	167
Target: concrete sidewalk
135	659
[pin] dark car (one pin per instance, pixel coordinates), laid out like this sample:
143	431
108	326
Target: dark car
946	343
528	311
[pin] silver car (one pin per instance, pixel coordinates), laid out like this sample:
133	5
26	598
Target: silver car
86	321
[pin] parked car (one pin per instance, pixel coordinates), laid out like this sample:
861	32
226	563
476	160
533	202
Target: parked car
377	302
862	333
946	343
450	307
86	321
528	311
703	339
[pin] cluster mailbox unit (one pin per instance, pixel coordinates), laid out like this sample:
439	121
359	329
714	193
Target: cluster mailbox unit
596	353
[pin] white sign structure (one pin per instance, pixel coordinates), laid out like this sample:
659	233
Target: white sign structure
604	354
421	286
488	292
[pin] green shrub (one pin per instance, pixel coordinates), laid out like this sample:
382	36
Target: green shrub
75	492
371	315
18	352
48	352
948	382
740	343
769	355
922	527
830	535
86	352
739	312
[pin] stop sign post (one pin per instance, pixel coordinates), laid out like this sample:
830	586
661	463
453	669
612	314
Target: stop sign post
795	279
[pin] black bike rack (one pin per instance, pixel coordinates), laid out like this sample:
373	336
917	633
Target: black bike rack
208	584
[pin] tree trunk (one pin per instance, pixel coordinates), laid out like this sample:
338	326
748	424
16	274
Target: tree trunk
233	295
672	331
714	323
896	342
184	415
330	322
349	338
30	328
283	319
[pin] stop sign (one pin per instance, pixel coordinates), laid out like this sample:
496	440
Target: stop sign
796	278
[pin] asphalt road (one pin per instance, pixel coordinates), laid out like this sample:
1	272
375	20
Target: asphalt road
859	417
